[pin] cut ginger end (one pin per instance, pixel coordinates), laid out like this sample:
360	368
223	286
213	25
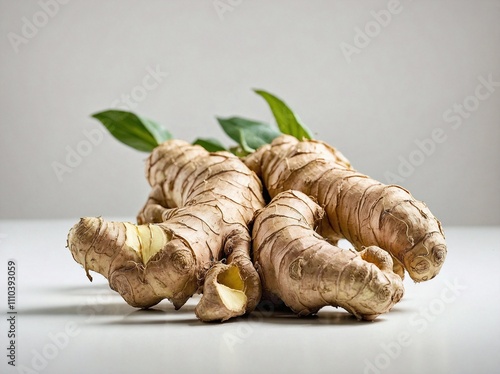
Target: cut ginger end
147	240
230	288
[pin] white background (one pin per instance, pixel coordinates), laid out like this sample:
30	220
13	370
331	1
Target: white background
372	105
447	325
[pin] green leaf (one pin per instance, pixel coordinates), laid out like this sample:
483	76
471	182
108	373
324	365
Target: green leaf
210	144
139	133
160	133
247	133
288	122
244	144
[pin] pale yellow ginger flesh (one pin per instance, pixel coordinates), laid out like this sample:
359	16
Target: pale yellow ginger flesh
122	251
357	208
233	300
307	273
231	289
197	215
147	240
226	290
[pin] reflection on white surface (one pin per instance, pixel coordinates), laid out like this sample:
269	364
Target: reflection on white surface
65	324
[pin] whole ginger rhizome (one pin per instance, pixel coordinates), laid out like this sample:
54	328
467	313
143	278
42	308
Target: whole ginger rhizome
259	222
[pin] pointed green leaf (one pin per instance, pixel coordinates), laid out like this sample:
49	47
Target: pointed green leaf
160	133
288	122
247	133
210	144
244	144
139	133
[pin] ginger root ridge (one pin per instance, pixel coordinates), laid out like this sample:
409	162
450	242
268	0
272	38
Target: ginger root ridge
357	208
307	273
195	220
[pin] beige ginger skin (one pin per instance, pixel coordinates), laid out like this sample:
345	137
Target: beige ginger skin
357	208
192	235
307	273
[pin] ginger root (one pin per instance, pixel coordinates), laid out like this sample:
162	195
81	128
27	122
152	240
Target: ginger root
196	218
193	233
358	208
307	273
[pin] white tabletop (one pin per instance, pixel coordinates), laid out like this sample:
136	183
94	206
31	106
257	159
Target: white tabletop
65	324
